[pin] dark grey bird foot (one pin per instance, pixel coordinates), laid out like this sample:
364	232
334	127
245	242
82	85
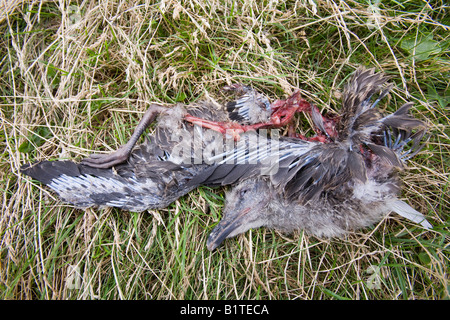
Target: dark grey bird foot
104	161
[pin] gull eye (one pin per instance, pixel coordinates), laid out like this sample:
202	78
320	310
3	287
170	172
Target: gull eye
243	192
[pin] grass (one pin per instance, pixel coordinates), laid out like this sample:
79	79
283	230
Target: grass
75	79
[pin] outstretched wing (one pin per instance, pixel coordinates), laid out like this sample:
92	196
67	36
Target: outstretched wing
144	182
301	169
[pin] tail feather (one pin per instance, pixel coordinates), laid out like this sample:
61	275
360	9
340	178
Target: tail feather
403	144
401	119
360	118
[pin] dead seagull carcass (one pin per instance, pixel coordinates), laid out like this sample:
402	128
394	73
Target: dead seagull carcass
343	179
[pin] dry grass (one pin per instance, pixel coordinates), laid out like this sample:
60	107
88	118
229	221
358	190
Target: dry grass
75	79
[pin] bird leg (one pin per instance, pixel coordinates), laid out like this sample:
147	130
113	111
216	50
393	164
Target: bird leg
232	129
284	111
121	155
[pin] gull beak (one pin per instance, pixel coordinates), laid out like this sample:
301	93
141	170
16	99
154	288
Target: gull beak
229	226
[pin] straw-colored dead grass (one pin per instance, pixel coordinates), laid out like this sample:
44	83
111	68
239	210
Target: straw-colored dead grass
76	78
